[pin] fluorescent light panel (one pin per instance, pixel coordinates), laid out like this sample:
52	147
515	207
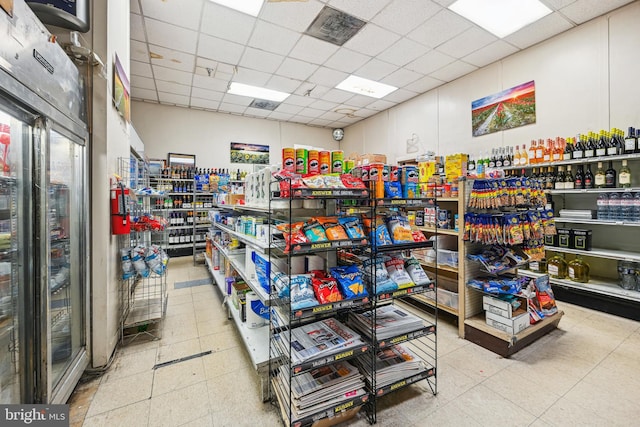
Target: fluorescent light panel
256	92
366	87
250	7
501	17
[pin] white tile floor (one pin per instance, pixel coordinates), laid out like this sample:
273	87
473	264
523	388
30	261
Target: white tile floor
586	373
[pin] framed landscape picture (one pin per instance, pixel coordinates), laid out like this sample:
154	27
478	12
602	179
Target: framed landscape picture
508	109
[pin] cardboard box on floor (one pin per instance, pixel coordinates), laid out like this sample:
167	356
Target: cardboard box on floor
512	326
344	416
503	308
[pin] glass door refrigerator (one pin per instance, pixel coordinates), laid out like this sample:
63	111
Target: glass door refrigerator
43	218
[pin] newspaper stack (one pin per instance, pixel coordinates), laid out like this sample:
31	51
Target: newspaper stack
392	364
317	340
319	389
390	321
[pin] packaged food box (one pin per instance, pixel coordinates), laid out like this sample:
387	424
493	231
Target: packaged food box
455	166
581	239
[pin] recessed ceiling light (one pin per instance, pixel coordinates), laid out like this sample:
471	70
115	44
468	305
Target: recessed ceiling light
365	87
250	7
257	92
501	17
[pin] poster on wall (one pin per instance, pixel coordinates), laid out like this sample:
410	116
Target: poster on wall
255	154
504	110
121	91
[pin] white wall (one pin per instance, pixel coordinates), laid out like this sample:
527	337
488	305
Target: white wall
586	79
110	141
166	129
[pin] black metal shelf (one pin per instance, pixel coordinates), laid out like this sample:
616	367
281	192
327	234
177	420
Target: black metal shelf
413	290
416	202
427	373
407	336
328	359
397	247
328	193
313	247
332	307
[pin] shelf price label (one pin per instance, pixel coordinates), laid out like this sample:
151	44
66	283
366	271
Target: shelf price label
399	339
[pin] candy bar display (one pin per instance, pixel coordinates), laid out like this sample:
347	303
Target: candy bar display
497	259
506	192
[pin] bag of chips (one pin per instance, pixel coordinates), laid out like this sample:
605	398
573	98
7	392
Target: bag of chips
314	231
350	281
315	181
393	190
399	229
332	228
416	272
351	181
379	281
378	231
301	292
352	227
326	290
397	273
332	181
292	234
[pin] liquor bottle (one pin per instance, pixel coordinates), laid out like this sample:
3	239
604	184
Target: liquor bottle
612	147
624	178
550	179
599	177
620	142
578	152
589	145
532	153
540	151
471	166
568	149
579	179
508	159
524	157
610	176
516	156
601	147
630	142
499	158
557	267
558	150
588	178
546	154
568	179
578	270
559	185
492	159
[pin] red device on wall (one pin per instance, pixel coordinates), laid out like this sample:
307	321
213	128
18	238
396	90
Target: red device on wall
120	221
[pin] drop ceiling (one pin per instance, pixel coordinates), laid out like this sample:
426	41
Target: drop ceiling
187	52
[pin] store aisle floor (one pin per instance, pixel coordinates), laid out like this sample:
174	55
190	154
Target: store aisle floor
584	373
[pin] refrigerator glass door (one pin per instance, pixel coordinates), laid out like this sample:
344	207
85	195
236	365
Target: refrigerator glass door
65	282
15	135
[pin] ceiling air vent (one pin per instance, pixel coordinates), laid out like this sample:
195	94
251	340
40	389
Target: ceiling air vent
264	104
334	26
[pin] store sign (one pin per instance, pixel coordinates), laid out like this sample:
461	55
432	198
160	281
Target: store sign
504	110
249	153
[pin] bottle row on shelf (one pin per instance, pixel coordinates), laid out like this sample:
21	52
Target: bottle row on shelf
185	202
177	237
192	172
187	218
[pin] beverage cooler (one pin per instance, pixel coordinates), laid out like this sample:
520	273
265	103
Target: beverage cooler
43	216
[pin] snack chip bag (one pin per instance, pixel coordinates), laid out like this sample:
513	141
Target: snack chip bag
393	190
292	234
350	181
301	292
352	227
399	229
380	282
314	231
332	181
416	271
350	281
397	273
333	229
326	290
314	181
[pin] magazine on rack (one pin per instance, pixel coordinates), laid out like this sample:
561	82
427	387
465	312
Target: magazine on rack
390	321
324	381
317	340
393	364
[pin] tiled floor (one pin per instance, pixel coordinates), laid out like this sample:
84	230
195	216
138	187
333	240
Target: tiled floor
585	373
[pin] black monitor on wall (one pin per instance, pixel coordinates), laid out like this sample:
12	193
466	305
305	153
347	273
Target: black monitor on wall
70	14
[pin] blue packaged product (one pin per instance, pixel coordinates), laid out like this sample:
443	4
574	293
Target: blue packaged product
392	190
352	226
350	281
301	292
410	190
380	281
263	271
315	232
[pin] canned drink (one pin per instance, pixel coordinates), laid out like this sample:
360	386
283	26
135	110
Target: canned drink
302	161
325	162
289	159
337	161
314	162
394	174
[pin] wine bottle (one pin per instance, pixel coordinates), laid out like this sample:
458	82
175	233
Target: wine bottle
579	178
540	151
601	147
630	142
589	146
524	158
568	179
625	175
508	159
566	155
559	185
492	160
588	178
499	158
532	152
550	179
612	147
610	176
577	149
599	178
516	157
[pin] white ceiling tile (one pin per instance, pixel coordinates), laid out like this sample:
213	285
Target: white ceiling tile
365	112
400	95
327	77
540	30
147	94
171	58
283	84
584	10
403	52
260	60
225	68
322	105
143	82
296	16
171	36
302	101
173	88
445	3
363	9
339	124
210	83
332	115
375	69
210	95
226	23
206	63
424	84
371	40
251	77
311	49
439	28
237	99
336	95
171	98
361	100
557	4
139	51
171	75
296	69
232	108
140	69
430	62
381	105
402	16
220	50
284	107
401	77
205	103
490	53
272	38
280	116
257	112
174	11
347	60
301	119
320	122
134	6
136	27
351	119
463	44
453	71
312	90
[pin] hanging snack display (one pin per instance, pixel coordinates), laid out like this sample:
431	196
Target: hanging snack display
506	192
